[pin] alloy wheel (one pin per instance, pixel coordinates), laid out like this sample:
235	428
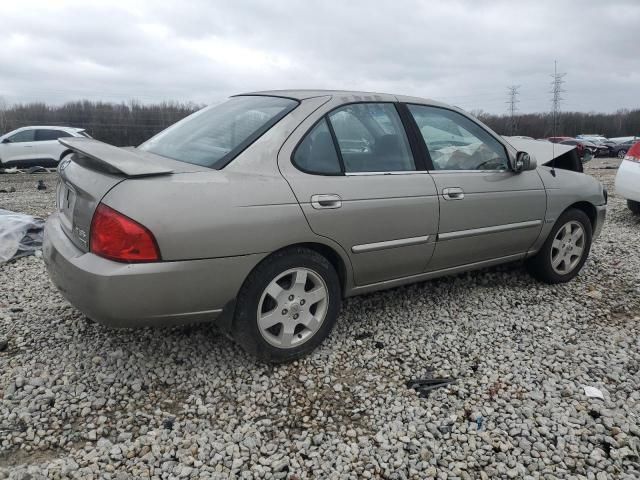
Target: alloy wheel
567	247
621	153
292	307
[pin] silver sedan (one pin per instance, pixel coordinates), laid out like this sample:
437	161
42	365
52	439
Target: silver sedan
264	212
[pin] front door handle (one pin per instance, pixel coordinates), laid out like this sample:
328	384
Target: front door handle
326	201
453	193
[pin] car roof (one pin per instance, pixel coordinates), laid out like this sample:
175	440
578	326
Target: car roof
347	96
54	127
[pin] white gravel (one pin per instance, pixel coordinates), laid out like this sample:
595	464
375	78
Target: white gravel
78	400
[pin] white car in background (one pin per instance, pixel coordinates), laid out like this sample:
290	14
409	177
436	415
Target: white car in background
35	146
628	178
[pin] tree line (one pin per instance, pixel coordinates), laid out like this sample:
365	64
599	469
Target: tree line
132	123
121	124
540	125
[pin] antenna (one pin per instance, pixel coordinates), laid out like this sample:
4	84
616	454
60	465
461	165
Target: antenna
512	101
557	90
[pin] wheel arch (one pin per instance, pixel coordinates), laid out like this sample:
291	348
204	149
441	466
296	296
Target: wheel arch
589	209
65	153
332	255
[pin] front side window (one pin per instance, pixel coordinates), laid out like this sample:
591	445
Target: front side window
316	153
49	134
23	136
456	143
371	138
216	134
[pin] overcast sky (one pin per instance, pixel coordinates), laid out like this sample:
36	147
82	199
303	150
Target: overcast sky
461	52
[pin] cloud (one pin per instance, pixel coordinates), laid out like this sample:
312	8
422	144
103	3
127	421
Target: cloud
461	52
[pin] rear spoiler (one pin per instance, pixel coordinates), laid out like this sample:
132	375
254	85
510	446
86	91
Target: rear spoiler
114	159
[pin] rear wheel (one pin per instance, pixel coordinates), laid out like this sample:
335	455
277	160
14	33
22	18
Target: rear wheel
621	153
565	250
634	206
287	306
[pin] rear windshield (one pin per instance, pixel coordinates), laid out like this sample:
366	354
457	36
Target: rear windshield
216	134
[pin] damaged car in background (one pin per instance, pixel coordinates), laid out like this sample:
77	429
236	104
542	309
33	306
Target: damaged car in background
264	212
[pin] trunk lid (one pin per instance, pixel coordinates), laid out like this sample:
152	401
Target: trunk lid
92	171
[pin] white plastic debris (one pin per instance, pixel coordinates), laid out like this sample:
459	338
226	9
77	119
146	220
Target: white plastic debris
593	392
20	235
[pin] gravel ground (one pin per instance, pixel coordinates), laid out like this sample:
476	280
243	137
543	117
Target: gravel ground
79	400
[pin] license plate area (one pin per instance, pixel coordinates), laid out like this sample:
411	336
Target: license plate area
66	200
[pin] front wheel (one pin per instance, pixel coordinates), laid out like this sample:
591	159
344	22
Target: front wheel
287	306
565	250
634	206
621	153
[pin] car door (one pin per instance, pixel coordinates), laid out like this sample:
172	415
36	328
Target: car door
18	148
354	174
487	211
47	146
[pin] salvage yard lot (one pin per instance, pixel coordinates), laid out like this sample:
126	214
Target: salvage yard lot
80	400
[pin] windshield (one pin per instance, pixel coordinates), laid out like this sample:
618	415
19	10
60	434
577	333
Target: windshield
213	136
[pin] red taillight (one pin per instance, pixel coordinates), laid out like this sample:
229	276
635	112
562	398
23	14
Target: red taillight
117	237
633	154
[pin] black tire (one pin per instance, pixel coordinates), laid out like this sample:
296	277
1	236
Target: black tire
621	153
540	266
245	330
634	206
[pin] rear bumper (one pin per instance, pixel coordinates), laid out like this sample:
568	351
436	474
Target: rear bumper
144	294
628	180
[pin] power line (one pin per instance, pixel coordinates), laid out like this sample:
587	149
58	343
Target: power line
557	91
512	101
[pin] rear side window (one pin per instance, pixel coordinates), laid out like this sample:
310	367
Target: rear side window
23	136
316	153
215	135
48	134
371	138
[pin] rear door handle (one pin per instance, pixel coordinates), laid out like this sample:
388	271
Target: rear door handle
326	201
453	193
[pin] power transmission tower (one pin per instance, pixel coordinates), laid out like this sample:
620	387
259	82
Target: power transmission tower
556	91
512	101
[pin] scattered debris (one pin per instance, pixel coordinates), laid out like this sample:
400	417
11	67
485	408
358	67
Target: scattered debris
168	423
593	392
41	185
10	190
37	169
4	344
425	385
596	294
379	345
20	235
363	335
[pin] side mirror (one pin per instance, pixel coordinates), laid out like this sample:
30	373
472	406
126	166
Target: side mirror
524	162
6	140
